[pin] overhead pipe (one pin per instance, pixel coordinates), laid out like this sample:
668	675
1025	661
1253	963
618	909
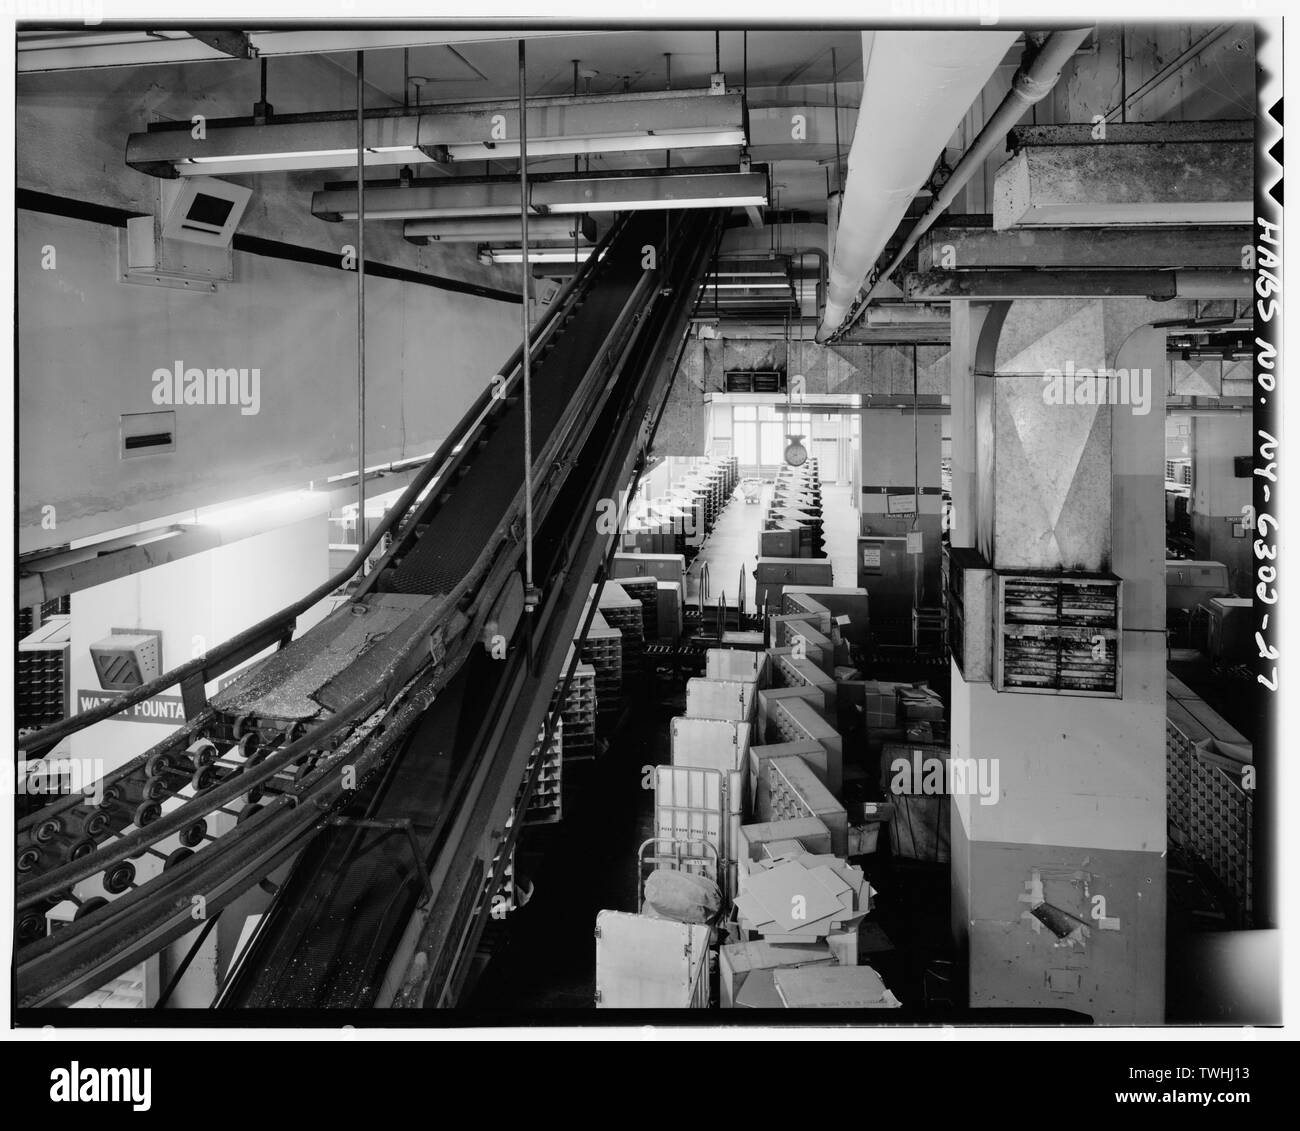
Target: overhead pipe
1032	84
894	146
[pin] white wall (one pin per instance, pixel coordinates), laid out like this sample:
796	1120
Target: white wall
88	346
212	595
88	343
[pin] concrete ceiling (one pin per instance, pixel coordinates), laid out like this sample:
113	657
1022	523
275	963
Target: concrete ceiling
631	60
783	68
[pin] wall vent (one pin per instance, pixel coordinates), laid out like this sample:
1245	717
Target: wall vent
147	433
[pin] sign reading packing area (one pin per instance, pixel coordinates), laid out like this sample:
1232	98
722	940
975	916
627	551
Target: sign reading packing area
166	709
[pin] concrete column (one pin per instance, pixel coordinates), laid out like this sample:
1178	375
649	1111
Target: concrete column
1076	821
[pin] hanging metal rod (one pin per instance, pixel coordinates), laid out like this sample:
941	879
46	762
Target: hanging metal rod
361	301
530	593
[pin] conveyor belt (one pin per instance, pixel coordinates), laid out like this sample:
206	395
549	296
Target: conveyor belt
329	938
392	684
483	493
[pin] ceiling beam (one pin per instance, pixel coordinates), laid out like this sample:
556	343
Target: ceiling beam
1130	133
1115	184
994	285
112	48
1151	246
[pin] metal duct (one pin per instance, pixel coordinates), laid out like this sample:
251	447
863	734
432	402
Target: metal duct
1031	84
917	85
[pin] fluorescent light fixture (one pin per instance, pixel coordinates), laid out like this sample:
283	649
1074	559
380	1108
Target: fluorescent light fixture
561	126
306	160
688	202
452	198
636	206
671	190
496	255
748	286
578	146
490	229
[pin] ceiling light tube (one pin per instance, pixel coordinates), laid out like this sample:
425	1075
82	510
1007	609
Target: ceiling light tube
480	229
682	190
579	146
568	127
450	198
495	255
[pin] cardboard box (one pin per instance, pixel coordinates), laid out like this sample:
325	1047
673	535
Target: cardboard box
881	703
738	960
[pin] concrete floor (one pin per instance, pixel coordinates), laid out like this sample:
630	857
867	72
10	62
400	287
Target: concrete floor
733	545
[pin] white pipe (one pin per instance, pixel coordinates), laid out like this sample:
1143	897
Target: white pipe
1031	85
917	86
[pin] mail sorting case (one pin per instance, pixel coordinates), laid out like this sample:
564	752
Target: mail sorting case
626	614
544	806
1058	633
795	791
603	650
578	712
645	590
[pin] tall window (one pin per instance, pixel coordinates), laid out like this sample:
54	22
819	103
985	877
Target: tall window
761	433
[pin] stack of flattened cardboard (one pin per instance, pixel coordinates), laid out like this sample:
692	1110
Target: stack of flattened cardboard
803	896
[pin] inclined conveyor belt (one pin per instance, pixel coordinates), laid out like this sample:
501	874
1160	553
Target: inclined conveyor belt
393	683
330	935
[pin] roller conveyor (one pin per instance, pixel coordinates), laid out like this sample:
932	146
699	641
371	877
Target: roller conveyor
390	685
